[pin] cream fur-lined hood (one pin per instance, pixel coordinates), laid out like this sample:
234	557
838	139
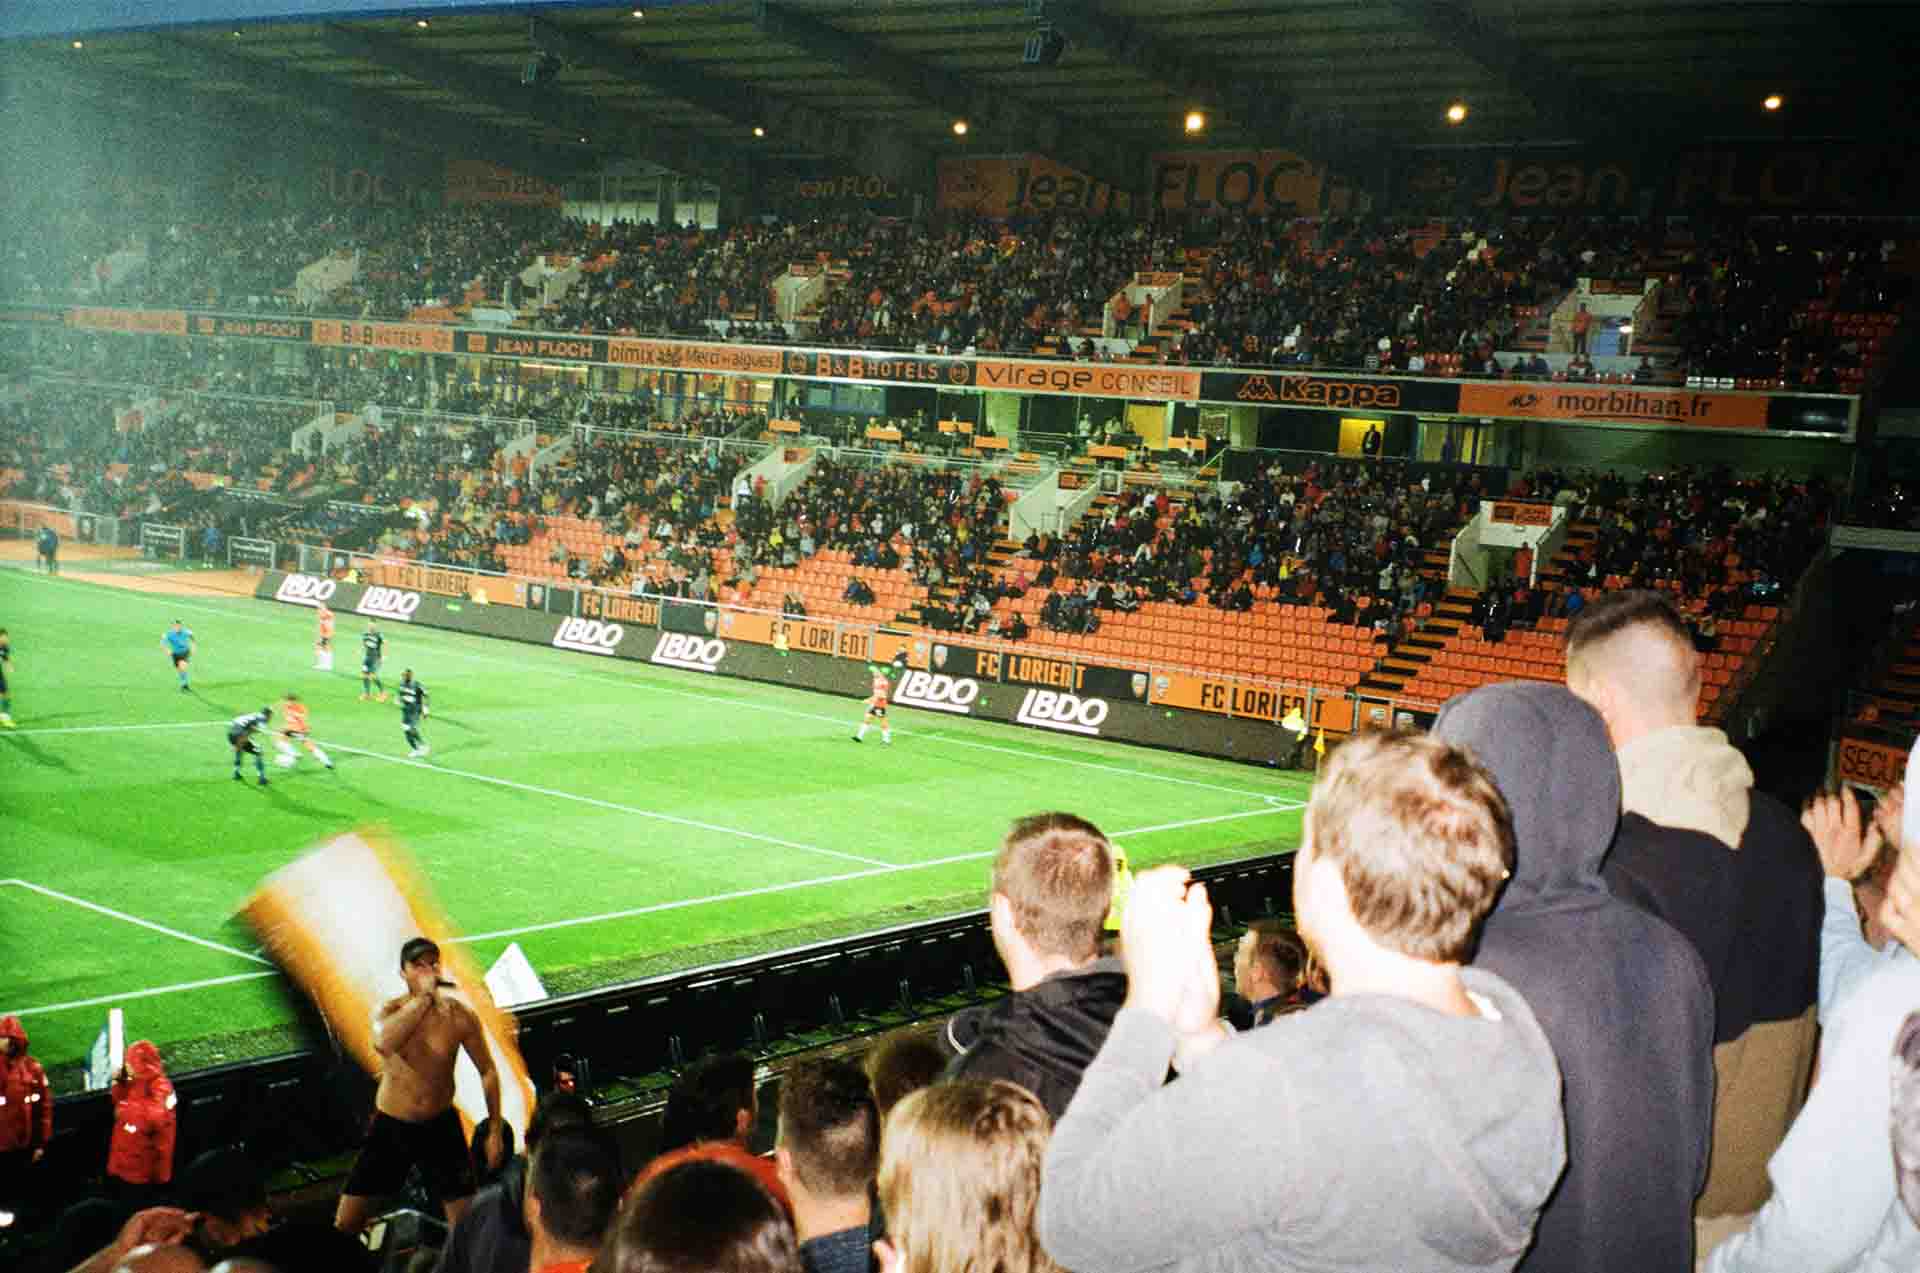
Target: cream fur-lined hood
1688	776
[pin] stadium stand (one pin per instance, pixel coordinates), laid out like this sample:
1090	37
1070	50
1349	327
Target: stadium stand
1808	303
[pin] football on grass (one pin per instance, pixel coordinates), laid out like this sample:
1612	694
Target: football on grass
286	760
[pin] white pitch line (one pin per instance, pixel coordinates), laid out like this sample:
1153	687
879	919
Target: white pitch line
150	993
763	890
675	819
136	920
766	890
1221	817
653	909
523	669
115	729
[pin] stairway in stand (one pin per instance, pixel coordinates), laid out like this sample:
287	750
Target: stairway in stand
1451	612
1580	537
1452	607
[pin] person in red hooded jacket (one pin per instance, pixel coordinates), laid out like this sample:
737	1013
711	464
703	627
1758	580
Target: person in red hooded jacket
26	1111
140	1157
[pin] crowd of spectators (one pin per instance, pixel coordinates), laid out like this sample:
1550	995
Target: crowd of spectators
937	525
1714	537
1347	534
649	492
1760	299
96	450
977	283
676	281
1379	294
1375	293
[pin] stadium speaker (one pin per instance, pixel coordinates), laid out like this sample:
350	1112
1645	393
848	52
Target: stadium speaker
1044	47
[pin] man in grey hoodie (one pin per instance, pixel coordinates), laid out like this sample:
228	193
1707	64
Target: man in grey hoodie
1410	1121
1622	996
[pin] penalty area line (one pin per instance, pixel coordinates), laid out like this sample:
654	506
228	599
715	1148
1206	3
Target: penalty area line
597	803
162	929
769	890
1218	817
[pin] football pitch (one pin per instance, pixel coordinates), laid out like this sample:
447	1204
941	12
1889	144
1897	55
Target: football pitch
617	820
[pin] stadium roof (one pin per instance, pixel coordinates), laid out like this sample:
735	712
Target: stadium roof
876	86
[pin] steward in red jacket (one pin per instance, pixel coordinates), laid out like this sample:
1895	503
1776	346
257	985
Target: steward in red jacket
26	1106
143	1119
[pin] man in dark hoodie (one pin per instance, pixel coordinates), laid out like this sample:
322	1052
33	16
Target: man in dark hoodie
1622	996
1052	888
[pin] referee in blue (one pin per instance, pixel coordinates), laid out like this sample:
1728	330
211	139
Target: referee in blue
179	646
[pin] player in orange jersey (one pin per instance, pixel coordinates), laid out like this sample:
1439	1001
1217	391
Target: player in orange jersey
877	708
296	731
323	646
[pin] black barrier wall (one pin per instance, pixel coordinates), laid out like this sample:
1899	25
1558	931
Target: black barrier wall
632	630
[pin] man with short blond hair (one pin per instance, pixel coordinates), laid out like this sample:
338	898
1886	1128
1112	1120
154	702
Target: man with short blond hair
1629	655
1055	873
1052	889
1412	1120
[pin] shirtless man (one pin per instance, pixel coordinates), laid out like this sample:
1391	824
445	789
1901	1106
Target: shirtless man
418	1036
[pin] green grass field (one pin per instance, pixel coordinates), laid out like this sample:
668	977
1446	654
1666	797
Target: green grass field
616	820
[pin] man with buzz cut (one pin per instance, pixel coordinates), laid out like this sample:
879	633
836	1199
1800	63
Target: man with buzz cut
1411	1120
1629	655
1052	890
419	1036
413	705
